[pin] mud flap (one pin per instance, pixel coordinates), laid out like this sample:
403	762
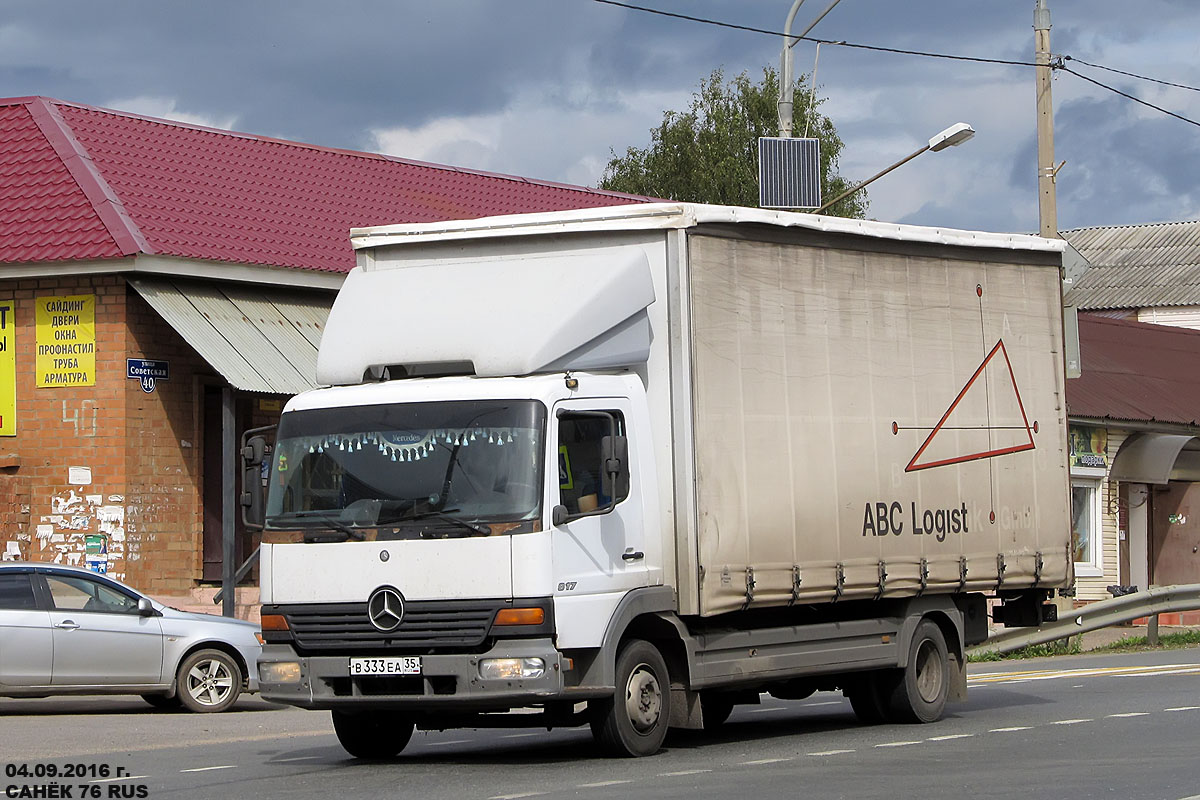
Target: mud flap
958	677
685	709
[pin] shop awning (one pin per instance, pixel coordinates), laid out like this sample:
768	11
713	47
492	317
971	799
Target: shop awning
261	339
1149	458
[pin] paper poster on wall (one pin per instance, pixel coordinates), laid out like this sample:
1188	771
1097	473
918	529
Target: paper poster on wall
8	369
66	340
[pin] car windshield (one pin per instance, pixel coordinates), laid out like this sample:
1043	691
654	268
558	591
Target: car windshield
408	470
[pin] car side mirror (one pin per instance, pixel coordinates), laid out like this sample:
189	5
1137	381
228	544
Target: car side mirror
145	607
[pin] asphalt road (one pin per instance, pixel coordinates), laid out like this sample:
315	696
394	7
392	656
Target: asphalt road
1123	726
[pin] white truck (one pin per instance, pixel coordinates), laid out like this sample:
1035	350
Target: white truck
632	466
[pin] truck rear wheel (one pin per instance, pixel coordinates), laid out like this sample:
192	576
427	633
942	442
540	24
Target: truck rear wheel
634	722
715	708
372	734
920	695
869	695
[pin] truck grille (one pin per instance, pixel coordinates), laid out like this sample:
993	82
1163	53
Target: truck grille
344	627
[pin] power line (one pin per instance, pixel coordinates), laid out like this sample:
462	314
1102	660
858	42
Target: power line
1065	68
1058	65
1132	74
876	48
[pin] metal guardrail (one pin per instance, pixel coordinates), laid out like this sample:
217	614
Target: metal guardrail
1094	616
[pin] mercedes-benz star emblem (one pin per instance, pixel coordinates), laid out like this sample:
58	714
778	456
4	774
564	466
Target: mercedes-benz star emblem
385	609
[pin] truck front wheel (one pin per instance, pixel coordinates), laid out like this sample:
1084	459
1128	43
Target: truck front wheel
634	722
372	734
920	695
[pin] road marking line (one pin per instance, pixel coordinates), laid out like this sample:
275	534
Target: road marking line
825	703
1010	730
516	796
896	744
123	778
1043	675
452	741
600	784
210	769
519	735
1071	721
949	737
764	761
1130	714
764	710
293	758
831	752
1184	708
683	772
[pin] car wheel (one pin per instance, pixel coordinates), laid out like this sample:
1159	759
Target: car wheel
208	681
634	722
373	735
163	701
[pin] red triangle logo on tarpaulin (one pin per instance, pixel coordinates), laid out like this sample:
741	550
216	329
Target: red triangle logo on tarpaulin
1019	436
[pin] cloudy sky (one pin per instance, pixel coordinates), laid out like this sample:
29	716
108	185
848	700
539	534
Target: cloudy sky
548	88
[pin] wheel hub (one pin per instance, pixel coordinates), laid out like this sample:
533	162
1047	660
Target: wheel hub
643	699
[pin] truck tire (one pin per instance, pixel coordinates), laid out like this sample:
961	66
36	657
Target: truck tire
920	694
208	681
634	722
869	695
715	707
374	735
163	701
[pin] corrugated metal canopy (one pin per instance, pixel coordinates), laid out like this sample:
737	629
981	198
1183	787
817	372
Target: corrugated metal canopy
1138	266
260	341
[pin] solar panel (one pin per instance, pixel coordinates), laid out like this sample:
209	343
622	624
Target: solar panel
789	172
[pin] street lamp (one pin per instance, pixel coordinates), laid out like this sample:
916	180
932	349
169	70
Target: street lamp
953	136
784	106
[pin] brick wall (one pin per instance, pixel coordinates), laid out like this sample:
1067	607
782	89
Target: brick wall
67	427
163	463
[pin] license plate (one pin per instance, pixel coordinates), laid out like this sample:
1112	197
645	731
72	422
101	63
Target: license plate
403	665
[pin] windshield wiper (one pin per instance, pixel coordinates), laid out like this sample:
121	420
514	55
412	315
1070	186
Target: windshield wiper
326	518
446	516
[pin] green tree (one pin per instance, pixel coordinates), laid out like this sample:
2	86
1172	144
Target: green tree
709	153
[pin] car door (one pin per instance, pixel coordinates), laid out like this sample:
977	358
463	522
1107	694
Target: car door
100	639
26	645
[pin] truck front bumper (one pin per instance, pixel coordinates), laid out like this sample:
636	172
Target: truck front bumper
446	682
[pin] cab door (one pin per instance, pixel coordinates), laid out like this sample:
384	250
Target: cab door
599	533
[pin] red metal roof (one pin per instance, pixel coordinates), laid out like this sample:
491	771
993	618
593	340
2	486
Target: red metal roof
78	182
1135	371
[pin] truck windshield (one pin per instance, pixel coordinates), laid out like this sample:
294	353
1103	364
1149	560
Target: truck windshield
409	470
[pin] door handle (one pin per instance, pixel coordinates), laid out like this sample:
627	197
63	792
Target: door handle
67	625
633	555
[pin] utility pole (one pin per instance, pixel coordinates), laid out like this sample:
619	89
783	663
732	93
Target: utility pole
1047	201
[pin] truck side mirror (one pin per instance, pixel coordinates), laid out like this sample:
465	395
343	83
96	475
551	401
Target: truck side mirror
253	497
614	461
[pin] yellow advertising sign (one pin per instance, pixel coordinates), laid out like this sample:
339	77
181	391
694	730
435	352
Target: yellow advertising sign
66	340
8	369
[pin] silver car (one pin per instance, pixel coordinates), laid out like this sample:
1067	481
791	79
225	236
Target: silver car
65	630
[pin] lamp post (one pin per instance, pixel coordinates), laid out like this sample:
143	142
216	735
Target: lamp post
784	106
953	136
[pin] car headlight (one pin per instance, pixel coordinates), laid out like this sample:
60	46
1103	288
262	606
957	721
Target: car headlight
279	671
493	669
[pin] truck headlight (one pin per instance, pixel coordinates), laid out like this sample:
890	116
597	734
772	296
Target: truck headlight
492	669
279	671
